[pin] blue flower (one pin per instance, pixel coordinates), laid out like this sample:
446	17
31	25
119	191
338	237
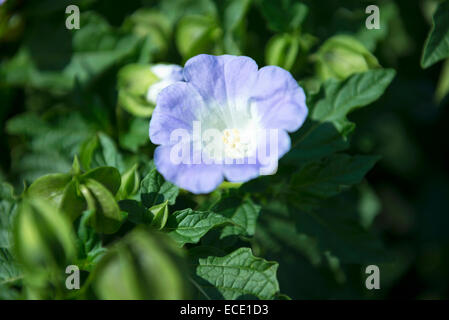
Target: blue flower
227	120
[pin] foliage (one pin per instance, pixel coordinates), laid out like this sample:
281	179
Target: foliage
78	184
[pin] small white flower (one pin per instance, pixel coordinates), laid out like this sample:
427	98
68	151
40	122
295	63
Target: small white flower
168	74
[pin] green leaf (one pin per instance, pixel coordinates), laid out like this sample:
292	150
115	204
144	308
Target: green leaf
343	97
107	218
326	178
89	242
43	238
136	135
189	226
242	212
96	48
236	275
137	213
234	13
155	190
283	15
160	213
107	176
50	187
130	184
436	46
9	269
142	265
196	34
282	50
318	140
100	151
72	203
336	227
327	129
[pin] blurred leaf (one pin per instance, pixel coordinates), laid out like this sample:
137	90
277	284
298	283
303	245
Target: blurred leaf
44	244
437	43
136	135
326	178
142	265
443	83
234	13
155	27
97	47
337	229
283	15
9	269
282	50
137	213
196	35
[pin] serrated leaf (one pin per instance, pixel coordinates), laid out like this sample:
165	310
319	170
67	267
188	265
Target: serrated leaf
155	190
188	226
327	129
237	275
436	46
343	97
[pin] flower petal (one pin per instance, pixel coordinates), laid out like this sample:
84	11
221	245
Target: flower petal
206	74
177	107
279	100
197	178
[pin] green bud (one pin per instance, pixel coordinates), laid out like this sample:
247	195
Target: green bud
341	56
282	50
142	265
133	83
160	215
130	184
